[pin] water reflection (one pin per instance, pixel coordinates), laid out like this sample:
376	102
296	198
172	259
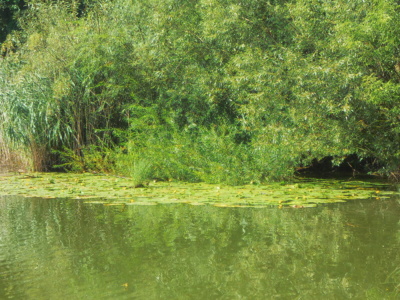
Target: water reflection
65	249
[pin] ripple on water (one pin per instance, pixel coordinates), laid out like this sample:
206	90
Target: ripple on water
66	249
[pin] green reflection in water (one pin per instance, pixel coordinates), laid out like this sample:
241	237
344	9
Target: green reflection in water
65	249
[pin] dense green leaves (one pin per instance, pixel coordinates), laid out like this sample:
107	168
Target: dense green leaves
272	85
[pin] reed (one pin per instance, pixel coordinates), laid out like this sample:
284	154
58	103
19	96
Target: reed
13	158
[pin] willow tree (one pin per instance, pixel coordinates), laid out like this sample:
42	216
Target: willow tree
325	84
353	49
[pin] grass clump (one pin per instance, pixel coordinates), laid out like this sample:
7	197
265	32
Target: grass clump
130	164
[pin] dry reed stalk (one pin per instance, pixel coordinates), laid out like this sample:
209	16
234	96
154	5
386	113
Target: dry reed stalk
12	158
39	156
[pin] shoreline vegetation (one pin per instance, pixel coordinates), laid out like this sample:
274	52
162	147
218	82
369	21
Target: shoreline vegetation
210	91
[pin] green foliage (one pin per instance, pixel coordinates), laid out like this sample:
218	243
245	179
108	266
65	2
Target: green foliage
9	10
211	90
90	159
210	155
139	169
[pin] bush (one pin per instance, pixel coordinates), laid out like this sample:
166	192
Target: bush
209	155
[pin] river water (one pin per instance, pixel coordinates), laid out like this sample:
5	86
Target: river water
68	249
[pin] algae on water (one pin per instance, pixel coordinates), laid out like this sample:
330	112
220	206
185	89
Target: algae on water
112	190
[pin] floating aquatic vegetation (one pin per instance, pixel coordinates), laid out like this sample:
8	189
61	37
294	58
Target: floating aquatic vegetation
113	190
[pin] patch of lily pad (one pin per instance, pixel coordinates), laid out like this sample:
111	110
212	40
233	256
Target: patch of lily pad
114	190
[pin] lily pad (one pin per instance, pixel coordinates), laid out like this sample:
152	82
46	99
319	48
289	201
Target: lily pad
113	190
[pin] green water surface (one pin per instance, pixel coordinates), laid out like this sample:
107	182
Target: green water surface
114	190
69	249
